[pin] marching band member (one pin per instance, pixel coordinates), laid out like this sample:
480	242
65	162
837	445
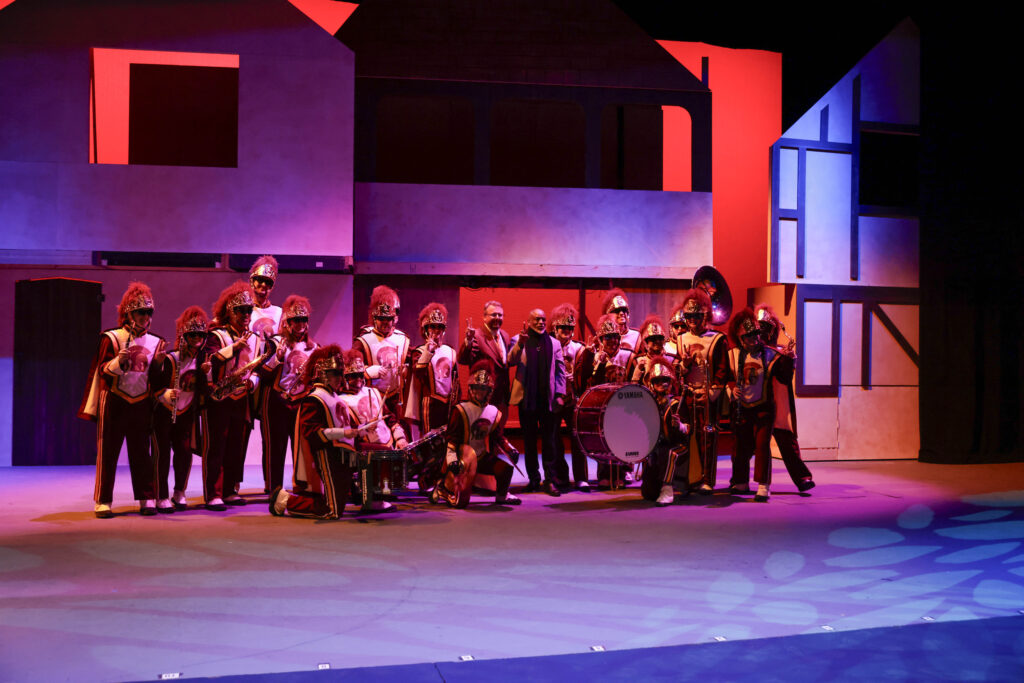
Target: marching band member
390	297
283	389
379	428
653	334
784	426
325	452
672	449
676	326
602	363
595	363
119	398
563	320
434	389
264	322
539	392
703	358
616	305
384	349
753	369
266	317
491	343
475	439
228	415
175	418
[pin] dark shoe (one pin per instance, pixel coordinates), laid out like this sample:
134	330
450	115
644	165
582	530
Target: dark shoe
762	494
147	508
532	487
216	505
705	490
583	486
805	485
551	489
179	501
509	499
234	501
164	506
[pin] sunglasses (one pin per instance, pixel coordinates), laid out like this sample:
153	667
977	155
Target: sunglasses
243	310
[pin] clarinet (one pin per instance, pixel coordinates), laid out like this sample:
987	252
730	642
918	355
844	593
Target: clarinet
175	382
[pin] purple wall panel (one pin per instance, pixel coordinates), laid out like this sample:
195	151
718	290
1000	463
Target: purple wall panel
291	192
533	230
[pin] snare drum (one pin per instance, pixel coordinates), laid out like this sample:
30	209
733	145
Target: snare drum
617	423
385	473
427	447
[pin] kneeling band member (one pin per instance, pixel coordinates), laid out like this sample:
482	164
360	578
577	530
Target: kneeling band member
379	428
475	438
325	441
672	450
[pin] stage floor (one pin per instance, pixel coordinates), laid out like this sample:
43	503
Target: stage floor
876	544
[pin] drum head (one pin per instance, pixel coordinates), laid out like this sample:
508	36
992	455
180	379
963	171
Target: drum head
631	423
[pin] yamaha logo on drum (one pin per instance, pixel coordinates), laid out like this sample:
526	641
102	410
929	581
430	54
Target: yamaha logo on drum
630	454
629	394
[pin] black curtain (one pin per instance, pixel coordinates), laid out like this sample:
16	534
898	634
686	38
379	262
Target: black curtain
972	221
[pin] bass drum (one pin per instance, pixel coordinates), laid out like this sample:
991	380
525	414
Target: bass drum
617	423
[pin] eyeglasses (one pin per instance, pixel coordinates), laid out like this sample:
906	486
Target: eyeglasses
243	310
299	319
565	328
143	311
694	316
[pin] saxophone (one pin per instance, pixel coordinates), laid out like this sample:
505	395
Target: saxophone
236	379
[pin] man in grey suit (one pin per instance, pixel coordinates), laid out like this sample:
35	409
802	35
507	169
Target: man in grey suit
539	391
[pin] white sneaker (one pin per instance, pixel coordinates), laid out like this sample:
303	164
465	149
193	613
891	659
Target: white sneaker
147	507
164	505
705	490
666	497
380	506
103	511
762	494
279	505
179	501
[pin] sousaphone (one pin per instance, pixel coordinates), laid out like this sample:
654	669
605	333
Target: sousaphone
712	282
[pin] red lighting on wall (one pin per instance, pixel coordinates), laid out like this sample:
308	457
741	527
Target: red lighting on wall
109	94
330	15
746	92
